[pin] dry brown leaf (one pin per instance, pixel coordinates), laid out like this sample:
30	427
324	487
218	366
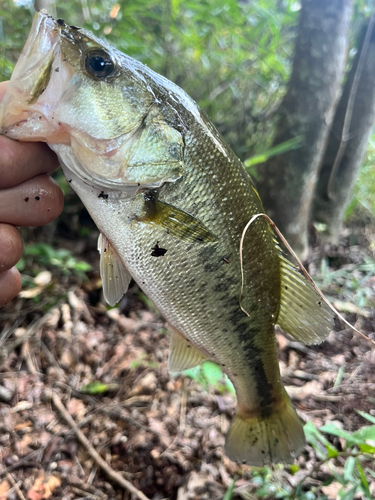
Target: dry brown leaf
4	488
43	487
23	425
52	483
76	408
331	490
37	490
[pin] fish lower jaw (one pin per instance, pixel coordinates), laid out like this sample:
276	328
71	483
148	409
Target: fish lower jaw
72	167
23	125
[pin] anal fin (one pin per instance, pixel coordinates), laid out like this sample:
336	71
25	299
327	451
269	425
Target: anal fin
303	314
182	354
115	276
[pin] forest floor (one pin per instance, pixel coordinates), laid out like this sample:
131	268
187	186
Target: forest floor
163	434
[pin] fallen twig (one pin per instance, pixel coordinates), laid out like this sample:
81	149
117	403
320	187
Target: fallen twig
16	487
111	473
26	461
52	361
115	414
352	308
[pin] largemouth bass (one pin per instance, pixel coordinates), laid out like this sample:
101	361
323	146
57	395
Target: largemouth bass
171	201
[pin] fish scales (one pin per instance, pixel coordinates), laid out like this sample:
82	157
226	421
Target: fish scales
171	201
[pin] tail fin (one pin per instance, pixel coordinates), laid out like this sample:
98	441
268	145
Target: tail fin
264	440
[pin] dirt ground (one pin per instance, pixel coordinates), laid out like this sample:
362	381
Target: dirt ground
163	435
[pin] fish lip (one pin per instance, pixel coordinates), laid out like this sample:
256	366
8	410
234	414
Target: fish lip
24	105
39	48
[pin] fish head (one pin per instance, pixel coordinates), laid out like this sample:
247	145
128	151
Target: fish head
92	105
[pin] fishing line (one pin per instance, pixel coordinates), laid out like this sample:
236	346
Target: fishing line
300	265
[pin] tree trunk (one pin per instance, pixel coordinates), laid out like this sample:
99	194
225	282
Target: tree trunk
287	181
335	184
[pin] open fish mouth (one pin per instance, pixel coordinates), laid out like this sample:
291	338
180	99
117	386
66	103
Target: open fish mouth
27	108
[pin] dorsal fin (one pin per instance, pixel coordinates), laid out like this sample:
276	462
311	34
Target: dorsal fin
115	276
302	314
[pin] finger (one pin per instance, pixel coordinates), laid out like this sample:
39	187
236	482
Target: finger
20	161
10	246
35	202
10	285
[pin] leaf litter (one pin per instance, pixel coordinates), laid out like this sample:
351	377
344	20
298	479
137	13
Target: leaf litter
163	435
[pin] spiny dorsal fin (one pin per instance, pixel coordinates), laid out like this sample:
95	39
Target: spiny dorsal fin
303	314
115	276
182	354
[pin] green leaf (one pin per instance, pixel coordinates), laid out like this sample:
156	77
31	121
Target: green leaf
332	452
97	387
274	151
366	448
212	372
349	495
331	428
367	416
316	439
364	482
294	468
349	469
229	492
366	433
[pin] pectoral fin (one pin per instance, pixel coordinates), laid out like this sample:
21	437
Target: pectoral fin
302	313
174	220
115	276
182	354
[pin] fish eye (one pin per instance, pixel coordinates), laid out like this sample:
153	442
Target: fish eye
99	64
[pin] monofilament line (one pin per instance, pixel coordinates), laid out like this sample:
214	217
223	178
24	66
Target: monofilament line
300	265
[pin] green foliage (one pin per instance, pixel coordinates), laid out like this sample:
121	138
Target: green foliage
352	283
349	460
15	23
350	465
42	255
210	375
232	57
142	362
269	153
364	191
229	493
97	388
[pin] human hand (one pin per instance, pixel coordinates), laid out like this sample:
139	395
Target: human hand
28	197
